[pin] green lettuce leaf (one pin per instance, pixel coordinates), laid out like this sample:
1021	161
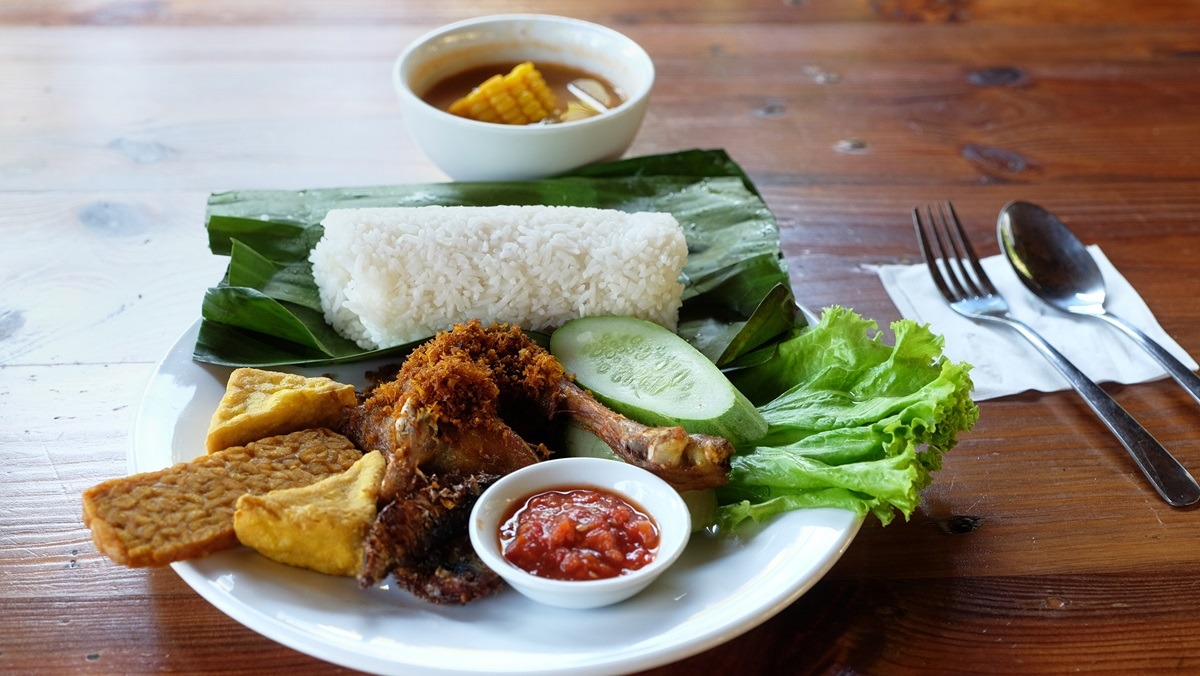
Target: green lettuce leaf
853	422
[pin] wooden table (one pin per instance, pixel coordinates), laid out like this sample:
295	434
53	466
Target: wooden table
1039	548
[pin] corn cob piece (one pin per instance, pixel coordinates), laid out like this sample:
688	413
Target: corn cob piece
520	97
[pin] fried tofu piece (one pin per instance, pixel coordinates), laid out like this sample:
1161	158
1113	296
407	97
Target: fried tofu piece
320	526
259	404
186	511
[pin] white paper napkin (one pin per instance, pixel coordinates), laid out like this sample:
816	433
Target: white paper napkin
1005	363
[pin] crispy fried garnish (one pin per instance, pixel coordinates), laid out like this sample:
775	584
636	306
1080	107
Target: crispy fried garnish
507	358
460	392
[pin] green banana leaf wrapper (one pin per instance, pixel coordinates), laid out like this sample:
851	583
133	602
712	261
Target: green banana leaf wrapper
737	296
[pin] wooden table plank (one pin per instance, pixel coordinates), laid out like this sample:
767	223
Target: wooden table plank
858	105
85	273
358	13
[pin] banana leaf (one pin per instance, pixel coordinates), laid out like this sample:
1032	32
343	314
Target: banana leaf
265	311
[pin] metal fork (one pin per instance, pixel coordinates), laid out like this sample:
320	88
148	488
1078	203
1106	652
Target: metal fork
960	278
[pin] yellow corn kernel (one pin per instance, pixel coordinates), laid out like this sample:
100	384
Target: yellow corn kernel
521	97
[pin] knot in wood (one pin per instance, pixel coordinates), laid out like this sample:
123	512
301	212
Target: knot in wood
960	524
999	76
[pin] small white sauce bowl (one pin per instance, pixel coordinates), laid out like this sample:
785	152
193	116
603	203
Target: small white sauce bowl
468	150
638	486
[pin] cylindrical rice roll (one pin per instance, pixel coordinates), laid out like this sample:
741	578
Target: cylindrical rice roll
389	276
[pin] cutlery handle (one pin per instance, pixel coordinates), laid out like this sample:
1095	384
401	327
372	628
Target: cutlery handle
1168	477
1174	367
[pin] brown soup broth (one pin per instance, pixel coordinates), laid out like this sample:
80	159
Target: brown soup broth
453	88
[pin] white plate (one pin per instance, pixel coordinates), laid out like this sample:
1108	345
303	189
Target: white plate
719	588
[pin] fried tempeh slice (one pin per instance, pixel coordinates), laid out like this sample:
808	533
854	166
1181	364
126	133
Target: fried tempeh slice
259	404
186	511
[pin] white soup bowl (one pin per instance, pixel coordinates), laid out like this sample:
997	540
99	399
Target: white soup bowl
469	150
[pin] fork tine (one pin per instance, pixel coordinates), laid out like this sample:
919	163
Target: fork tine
952	248
948	256
984	282
930	259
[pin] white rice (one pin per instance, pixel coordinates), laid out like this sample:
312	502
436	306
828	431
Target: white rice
389	276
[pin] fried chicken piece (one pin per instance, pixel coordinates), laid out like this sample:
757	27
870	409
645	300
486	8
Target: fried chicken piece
440	425
450	408
686	461
421	540
462	412
420	520
449	573
445	413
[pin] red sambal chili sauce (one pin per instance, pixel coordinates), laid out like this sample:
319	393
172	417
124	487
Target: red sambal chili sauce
578	534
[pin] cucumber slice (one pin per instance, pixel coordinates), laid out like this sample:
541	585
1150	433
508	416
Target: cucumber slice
653	376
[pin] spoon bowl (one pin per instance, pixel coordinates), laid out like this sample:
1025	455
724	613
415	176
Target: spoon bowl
1056	267
1050	260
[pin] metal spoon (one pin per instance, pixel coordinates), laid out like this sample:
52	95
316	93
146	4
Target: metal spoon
1055	266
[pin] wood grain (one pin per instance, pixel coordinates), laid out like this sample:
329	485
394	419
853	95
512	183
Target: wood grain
1038	549
624	12
970	625
80	287
857	104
